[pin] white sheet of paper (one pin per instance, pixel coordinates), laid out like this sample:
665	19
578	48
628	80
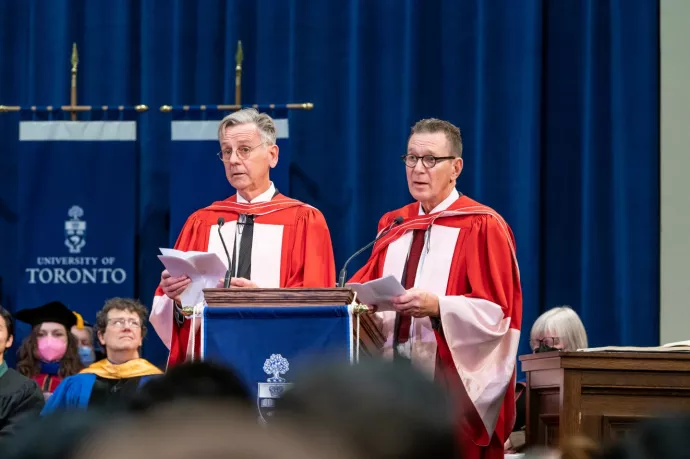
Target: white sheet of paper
378	292
203	268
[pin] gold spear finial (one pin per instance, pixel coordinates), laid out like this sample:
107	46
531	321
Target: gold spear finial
73	93
75	58
239	57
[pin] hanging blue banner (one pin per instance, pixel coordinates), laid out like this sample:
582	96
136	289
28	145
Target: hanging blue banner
197	176
268	345
77	210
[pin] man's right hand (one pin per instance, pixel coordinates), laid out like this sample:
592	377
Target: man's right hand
173	286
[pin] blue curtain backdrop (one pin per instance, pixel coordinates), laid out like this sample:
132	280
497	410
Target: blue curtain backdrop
557	101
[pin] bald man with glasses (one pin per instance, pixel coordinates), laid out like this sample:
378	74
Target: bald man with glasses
459	320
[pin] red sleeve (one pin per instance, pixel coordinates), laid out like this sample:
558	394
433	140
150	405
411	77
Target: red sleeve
194	236
492	271
311	258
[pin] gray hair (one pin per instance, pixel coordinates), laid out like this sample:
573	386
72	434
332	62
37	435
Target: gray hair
434	125
264	123
564	323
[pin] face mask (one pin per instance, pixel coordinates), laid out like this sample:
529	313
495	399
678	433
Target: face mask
51	349
544	348
87	355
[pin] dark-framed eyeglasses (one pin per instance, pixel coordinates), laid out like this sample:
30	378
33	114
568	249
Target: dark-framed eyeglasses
242	153
549	341
121	322
428	161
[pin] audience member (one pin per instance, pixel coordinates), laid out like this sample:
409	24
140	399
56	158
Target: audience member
121	328
20	398
83	332
193	381
56	436
50	353
558	329
204	430
384	410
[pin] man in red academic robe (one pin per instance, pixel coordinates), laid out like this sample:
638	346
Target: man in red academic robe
274	241
459	320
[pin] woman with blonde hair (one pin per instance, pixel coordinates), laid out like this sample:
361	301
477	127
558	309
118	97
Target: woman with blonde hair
558	329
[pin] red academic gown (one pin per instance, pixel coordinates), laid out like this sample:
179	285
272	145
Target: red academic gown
292	248
471	265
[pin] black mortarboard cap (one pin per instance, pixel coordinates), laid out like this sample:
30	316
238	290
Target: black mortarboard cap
51	312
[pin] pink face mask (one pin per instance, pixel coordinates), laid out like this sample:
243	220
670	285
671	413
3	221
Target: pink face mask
51	349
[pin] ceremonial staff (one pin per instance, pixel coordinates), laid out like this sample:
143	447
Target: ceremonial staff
73	108
239	57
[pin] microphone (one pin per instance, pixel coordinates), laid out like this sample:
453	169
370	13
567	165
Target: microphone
343	272
226	283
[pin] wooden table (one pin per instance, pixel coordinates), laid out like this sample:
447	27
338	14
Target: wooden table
601	394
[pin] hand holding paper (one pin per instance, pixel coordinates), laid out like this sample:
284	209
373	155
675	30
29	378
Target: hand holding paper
202	268
379	292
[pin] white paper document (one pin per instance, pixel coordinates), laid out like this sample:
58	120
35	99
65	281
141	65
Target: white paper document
378	292
205	269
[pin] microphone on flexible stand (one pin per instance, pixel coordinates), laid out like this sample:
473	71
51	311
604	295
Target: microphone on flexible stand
226	283
343	272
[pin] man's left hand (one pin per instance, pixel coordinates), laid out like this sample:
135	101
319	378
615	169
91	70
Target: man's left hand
417	303
242	283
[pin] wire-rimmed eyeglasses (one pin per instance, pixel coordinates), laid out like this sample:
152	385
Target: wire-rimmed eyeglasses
242	153
428	161
120	323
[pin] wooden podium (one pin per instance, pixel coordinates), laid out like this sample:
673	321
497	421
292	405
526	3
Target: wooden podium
371	339
601	394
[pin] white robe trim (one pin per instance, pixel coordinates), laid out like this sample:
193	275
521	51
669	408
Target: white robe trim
480	339
266	260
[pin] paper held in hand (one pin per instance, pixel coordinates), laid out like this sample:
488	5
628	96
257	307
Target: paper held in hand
205	269
378	292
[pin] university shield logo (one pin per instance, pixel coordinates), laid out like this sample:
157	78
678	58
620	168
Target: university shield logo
75	230
270	391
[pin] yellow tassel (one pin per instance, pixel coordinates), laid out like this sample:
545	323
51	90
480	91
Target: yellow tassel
80	320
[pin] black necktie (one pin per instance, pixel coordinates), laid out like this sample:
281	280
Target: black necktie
244	264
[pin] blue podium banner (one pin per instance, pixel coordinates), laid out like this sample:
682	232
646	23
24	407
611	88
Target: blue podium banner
266	345
197	176
77	210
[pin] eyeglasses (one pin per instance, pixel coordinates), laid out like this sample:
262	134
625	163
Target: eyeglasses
242	153
120	323
428	161
548	342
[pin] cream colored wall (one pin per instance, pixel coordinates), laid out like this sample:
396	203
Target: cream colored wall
675	170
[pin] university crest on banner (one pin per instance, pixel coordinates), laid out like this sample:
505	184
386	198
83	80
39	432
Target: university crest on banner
77	212
265	344
75	230
270	391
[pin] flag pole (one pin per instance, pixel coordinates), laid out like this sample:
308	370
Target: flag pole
73	90
73	108
239	57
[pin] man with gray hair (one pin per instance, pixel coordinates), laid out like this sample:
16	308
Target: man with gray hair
459	319
274	241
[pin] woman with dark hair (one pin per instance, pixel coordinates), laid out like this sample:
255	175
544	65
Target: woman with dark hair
20	398
50	353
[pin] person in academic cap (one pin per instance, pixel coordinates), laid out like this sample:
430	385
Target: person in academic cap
112	382
83	332
21	400
50	352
